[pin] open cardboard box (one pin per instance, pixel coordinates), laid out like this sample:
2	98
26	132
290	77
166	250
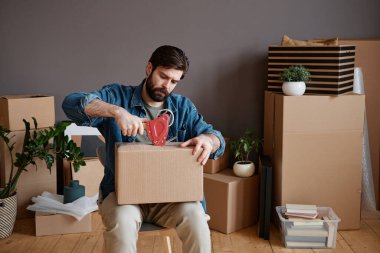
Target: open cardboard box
90	176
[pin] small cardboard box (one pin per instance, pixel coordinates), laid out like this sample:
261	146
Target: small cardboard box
153	174
56	224
214	166
232	202
315	143
13	109
331	67
32	182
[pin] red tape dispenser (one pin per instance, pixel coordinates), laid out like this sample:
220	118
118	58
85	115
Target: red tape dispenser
157	129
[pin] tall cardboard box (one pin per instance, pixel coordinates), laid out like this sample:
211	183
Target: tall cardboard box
214	166
153	174
13	109
32	182
232	202
315	143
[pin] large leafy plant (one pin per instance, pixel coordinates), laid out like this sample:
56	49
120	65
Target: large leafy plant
243	146
296	73
41	144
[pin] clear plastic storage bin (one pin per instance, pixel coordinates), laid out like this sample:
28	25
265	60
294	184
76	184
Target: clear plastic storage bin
319	233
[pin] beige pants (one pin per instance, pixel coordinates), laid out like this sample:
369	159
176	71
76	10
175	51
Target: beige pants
123	222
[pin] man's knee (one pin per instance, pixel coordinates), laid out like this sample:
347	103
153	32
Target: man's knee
193	229
122	226
194	218
193	211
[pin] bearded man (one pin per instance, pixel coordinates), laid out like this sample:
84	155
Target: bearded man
119	112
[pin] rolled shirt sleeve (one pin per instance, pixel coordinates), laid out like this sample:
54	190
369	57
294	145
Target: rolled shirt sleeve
74	104
199	126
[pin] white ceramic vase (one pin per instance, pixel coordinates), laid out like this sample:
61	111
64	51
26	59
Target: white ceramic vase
294	88
244	168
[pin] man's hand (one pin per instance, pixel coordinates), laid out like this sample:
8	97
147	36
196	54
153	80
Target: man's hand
209	143
129	124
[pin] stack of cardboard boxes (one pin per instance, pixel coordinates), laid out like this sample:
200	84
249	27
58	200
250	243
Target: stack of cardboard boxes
13	109
232	202
315	143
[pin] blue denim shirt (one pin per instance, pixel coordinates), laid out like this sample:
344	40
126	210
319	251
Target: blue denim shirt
188	123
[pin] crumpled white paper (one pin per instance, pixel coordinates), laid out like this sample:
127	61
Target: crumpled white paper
53	203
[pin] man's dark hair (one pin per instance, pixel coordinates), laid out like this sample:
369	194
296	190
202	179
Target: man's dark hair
170	57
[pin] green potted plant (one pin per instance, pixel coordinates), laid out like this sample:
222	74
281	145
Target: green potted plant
40	144
294	79
242	149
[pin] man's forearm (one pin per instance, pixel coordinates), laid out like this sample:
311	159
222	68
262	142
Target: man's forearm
99	108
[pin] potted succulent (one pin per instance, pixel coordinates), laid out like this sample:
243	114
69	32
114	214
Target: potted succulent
294	79
40	144
242	149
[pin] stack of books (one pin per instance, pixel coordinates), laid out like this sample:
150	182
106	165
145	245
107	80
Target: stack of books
301	211
305	228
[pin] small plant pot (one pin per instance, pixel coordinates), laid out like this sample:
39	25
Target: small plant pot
294	88
244	168
8	211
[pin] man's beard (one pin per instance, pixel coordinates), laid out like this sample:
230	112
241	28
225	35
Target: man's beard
157	94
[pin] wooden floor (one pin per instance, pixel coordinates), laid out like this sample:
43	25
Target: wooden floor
367	239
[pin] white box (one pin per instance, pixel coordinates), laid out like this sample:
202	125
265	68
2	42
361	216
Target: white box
319	233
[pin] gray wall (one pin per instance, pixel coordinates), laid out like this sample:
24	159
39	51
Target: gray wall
57	47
